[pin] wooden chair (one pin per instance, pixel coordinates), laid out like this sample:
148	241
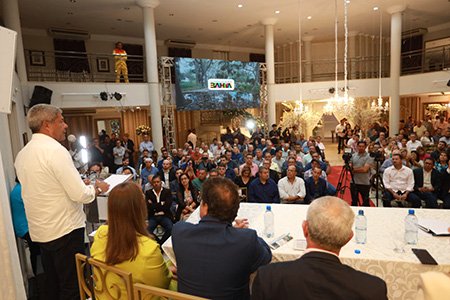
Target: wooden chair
146	292
103	287
83	269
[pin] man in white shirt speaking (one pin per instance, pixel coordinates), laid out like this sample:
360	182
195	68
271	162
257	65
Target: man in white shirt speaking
53	194
292	188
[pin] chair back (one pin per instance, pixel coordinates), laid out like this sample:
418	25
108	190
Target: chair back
83	269
146	292
111	282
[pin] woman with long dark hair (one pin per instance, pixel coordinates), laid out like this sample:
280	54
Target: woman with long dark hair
243	181
187	197
125	243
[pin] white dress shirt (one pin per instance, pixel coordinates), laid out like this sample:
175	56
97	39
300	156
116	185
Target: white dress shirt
52	189
398	180
412	146
288	189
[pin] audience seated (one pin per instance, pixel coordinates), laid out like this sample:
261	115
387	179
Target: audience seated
187	198
215	259
263	189
315	185
159	203
292	188
318	274
243	181
398	182
167	173
427	182
125	242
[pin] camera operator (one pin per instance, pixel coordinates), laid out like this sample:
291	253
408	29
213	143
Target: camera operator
361	164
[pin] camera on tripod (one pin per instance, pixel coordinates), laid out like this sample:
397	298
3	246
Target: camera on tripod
377	156
347	155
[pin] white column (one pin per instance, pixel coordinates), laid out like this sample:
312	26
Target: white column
270	64
151	62
361	56
12	21
308	64
367	55
352	52
396	43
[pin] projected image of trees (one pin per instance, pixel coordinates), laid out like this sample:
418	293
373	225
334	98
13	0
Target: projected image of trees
192	91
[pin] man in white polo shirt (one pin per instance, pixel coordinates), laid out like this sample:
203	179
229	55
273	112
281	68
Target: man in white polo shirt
53	194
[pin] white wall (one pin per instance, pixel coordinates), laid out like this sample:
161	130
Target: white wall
433	82
11	283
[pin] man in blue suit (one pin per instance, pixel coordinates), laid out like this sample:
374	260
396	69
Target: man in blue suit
215	259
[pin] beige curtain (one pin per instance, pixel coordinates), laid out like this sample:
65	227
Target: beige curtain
409	106
131	120
79	124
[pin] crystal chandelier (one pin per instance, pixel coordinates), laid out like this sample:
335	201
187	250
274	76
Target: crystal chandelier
379	104
337	100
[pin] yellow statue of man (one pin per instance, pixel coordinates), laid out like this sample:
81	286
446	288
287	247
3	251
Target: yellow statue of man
120	62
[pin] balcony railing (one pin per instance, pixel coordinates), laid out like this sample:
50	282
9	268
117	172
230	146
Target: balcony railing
422	61
69	66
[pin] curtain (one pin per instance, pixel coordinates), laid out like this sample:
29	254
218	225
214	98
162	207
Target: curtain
80	124
409	106
131	120
184	120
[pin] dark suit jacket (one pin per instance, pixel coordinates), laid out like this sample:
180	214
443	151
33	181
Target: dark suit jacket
445	187
164	204
435	180
316	276
215	260
172	175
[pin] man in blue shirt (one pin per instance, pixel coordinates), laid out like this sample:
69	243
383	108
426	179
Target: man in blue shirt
20	223
149	170
263	189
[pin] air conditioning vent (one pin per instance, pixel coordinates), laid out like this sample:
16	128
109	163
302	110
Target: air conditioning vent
71	34
180	44
414	32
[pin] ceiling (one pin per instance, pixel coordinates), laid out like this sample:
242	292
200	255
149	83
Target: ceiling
223	22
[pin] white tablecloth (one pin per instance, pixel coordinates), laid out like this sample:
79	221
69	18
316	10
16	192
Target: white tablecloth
385	230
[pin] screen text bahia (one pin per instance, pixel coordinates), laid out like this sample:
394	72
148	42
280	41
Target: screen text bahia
221	84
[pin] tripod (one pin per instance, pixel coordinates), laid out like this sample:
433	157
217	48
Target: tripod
343	182
377	181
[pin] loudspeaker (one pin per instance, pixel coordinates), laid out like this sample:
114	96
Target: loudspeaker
41	95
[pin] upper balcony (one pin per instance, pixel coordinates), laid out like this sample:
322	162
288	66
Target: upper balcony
68	66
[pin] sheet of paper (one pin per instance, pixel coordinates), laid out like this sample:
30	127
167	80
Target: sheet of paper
438	227
116	179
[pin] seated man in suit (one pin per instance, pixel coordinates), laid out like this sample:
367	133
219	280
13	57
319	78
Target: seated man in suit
319	274
427	182
167	173
159	202
215	259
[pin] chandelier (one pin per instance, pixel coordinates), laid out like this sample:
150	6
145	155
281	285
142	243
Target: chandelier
336	100
380	105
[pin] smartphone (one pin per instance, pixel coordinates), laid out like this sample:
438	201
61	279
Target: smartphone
424	256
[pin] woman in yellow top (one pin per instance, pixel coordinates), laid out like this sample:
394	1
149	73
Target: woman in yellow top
126	244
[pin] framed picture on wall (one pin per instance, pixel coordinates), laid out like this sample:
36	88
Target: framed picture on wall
37	58
102	64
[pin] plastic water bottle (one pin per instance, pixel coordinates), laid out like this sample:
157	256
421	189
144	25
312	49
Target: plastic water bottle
361	227
411	228
269	222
